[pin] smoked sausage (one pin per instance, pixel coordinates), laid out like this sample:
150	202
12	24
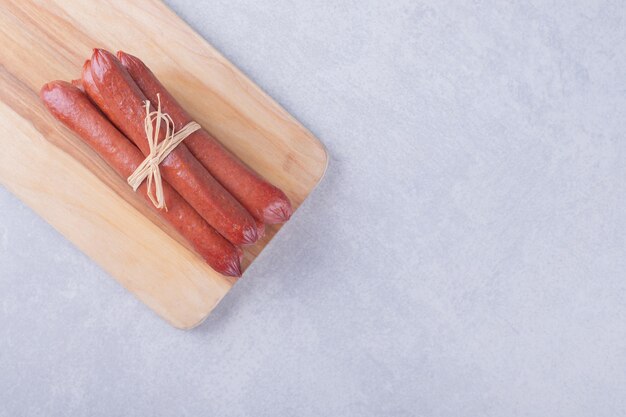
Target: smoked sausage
265	201
78	83
110	86
72	107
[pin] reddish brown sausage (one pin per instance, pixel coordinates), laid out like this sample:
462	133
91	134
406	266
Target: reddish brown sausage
72	107
109	85
78	83
262	199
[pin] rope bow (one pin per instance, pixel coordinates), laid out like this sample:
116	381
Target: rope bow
149	168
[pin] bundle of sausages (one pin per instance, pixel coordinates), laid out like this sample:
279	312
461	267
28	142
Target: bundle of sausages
213	199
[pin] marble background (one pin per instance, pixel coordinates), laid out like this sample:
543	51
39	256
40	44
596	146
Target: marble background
465	255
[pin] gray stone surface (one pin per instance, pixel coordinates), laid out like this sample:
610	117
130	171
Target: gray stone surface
465	255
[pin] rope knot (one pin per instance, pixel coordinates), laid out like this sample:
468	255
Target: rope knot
149	168
154	162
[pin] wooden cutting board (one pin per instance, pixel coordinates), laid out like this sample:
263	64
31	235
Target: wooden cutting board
49	169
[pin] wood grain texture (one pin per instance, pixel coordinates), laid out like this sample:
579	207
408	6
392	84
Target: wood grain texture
60	178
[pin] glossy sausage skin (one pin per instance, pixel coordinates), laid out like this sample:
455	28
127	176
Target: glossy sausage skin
78	83
265	201
109	85
72	107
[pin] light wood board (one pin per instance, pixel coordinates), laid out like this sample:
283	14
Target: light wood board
49	169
